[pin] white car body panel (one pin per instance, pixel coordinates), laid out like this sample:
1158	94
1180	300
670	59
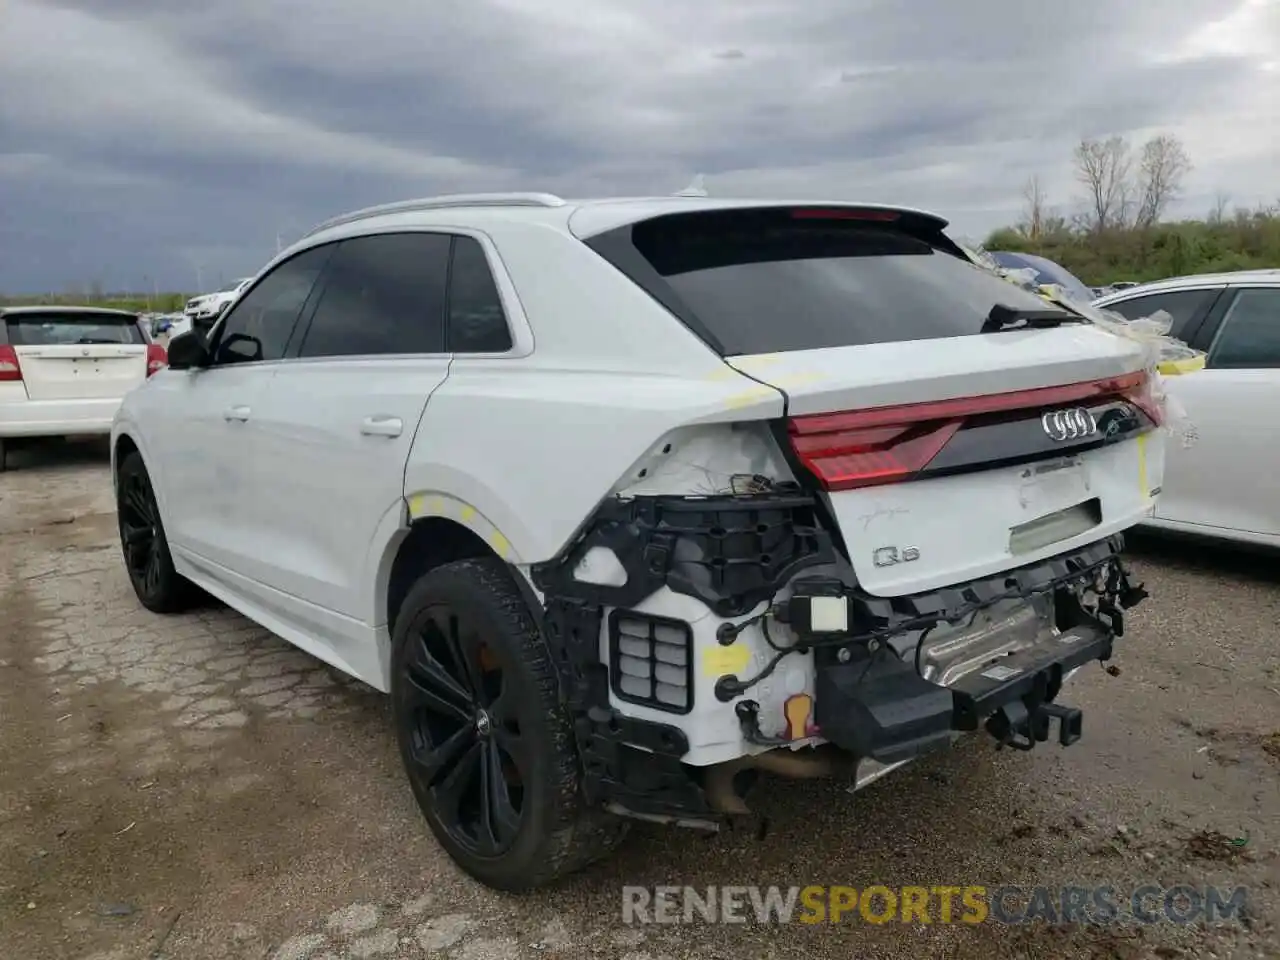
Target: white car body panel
1211	487
292	515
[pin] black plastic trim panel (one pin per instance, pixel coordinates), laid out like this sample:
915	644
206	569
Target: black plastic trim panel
632	763
732	552
998	441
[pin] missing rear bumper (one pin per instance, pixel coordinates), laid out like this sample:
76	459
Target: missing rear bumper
877	702
883	709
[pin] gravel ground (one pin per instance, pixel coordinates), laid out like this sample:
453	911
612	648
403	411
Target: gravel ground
194	788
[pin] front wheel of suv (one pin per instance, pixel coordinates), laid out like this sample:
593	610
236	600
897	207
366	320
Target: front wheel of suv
487	745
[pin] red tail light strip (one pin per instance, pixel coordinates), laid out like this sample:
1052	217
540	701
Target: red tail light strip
862	448
157	358
844	213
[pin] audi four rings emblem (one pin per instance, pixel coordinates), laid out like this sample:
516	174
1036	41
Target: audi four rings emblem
1074	424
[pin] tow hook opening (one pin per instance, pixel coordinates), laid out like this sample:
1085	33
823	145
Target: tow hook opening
1021	727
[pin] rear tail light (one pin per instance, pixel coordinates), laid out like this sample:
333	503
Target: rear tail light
865	448
9	367
157	358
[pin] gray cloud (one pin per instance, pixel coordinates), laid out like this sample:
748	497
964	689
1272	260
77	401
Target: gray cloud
163	136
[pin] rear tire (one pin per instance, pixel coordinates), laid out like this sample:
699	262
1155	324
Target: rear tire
158	586
4	455
486	743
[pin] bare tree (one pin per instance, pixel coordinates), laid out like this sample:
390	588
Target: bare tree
1163	166
1032	225
1104	167
1221	200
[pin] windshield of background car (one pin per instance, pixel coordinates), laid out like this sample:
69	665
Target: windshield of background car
50	329
764	281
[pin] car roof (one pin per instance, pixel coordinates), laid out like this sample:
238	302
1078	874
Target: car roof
1196	280
583	218
37	309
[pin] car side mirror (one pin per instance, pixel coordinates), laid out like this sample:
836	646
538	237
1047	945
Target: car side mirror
188	351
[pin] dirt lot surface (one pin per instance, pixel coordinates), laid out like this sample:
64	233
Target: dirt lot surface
193	788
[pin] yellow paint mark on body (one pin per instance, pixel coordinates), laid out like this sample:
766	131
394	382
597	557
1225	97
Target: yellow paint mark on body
500	544
468	513
1142	466
717	661
748	397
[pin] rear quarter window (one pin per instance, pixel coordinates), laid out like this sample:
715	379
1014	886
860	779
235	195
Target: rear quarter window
55	329
766	281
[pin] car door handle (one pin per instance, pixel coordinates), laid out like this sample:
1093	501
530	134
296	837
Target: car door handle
382	426
236	413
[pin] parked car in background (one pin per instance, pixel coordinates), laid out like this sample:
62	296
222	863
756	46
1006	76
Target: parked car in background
65	370
619	499
202	311
1046	271
1223	485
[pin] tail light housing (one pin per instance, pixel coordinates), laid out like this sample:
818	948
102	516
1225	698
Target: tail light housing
879	445
10	369
157	358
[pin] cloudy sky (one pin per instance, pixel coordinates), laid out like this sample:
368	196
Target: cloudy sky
146	142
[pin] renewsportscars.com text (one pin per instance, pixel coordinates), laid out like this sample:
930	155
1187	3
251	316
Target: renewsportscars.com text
937	904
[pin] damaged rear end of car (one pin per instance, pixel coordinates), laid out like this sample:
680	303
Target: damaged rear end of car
928	542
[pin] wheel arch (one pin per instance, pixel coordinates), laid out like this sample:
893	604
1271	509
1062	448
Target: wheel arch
430	542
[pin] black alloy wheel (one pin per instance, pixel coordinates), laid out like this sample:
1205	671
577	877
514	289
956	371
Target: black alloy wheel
467	747
140	531
158	586
486	741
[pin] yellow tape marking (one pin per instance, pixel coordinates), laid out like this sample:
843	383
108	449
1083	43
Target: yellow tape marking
717	661
798	709
1142	466
468	513
724	373
415	505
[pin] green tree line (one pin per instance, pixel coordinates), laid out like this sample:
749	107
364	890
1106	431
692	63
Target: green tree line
136	302
1121	232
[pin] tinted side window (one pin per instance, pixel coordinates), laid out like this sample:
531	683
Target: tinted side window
1250	335
477	323
1182	305
260	324
382	294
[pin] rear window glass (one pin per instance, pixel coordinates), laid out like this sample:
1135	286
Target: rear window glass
52	329
769	281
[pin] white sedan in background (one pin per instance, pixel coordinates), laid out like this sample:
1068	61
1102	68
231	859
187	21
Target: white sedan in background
64	370
1223	484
